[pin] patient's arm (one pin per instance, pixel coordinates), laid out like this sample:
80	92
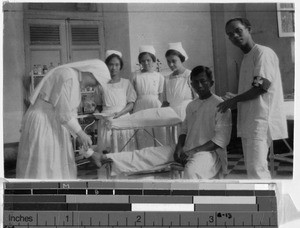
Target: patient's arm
208	146
179	148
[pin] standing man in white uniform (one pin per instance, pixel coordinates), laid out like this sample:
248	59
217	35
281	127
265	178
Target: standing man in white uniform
261	117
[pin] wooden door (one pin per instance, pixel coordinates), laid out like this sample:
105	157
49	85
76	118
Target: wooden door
85	40
51	42
45	43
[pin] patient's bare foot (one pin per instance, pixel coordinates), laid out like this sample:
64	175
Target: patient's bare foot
97	158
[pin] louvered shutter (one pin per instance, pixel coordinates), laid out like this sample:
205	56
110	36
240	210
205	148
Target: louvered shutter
85	35
44	35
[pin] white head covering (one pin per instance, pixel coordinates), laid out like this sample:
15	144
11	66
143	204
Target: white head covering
147	48
178	47
110	52
95	66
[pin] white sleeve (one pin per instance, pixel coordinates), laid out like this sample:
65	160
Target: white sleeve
222	129
130	93
184	125
63	110
161	83
266	63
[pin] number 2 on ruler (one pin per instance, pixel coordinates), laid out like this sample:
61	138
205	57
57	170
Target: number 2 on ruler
138	218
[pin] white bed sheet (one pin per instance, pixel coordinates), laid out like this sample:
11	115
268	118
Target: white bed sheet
154	117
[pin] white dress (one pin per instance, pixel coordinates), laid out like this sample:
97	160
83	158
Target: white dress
114	97
178	92
45	149
148	85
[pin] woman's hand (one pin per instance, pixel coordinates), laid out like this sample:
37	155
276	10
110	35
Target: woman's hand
96	159
117	115
84	139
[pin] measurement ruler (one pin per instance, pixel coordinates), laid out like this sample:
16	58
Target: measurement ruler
139	219
26	205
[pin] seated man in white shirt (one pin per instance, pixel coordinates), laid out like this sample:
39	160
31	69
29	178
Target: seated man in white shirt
201	146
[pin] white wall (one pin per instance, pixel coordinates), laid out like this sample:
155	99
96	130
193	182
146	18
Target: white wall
161	23
127	26
116	32
13	71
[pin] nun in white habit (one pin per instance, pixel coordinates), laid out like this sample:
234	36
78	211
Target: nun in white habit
45	148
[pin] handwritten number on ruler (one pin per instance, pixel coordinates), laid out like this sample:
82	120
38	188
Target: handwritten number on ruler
227	215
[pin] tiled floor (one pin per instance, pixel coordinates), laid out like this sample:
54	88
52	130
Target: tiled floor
236	167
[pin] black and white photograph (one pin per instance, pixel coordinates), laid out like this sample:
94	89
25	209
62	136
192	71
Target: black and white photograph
148	91
149	114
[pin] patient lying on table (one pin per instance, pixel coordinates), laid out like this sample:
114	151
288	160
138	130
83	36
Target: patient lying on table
201	146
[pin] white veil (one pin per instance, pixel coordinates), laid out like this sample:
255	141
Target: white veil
95	66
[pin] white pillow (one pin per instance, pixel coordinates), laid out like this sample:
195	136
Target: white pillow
154	117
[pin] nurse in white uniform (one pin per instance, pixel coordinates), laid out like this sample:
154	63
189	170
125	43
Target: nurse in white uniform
149	86
116	100
45	148
177	85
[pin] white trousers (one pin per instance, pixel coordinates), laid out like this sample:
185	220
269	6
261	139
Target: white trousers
202	165
255	154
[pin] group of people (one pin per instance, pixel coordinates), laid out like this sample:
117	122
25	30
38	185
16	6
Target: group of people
45	149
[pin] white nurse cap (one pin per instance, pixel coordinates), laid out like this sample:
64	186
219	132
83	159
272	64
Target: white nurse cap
110	52
178	47
147	48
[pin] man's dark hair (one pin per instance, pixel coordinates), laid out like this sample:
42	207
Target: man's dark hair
244	21
200	69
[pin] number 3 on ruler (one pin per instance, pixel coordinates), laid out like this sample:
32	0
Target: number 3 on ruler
211	219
